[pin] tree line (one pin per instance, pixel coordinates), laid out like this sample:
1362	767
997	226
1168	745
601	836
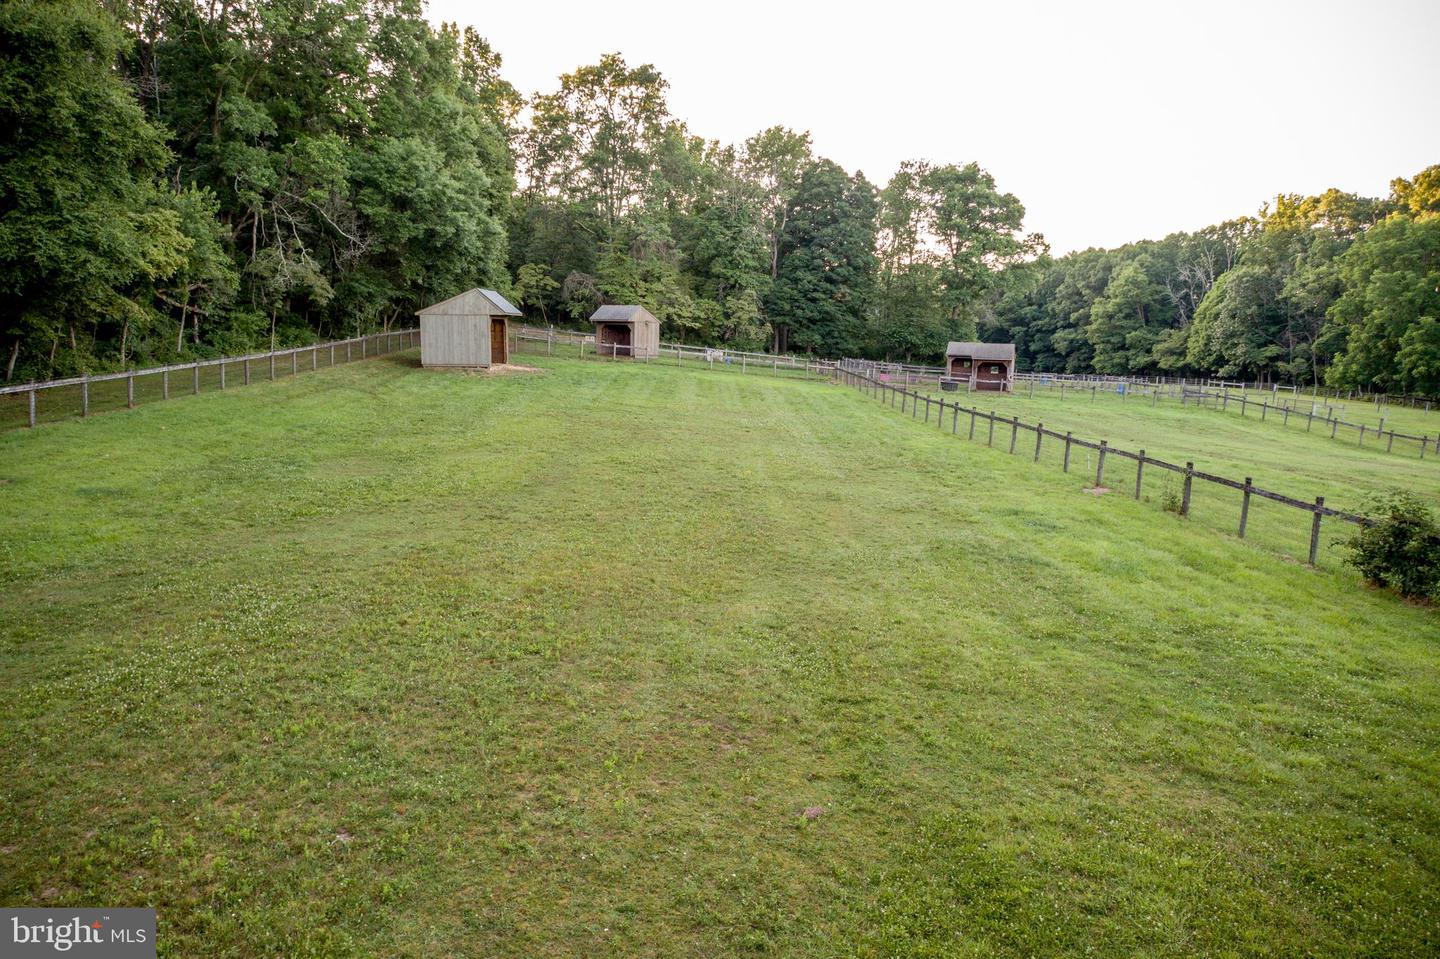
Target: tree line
1334	289
195	177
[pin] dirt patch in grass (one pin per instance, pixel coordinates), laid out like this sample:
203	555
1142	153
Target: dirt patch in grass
499	369
1098	490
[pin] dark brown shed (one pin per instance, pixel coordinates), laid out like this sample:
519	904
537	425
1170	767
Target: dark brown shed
983	366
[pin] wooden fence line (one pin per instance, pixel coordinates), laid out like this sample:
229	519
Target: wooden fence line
386	342
1221	400
1414	401
714	357
911	399
714	354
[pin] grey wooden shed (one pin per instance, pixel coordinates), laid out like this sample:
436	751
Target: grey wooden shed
469	330
626	331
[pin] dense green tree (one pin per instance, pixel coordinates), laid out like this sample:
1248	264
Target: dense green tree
978	229
1128	319
84	224
827	262
1385	321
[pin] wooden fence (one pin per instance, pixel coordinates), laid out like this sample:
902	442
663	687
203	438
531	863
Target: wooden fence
83	395
708	357
906	398
1222	401
1174	384
1276	410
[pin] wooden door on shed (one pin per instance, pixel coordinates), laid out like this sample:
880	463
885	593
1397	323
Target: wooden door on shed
499	347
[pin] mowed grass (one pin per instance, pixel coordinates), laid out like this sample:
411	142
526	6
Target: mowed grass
383	661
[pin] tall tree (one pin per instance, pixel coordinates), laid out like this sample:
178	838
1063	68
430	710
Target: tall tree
978	229
827	262
84	224
1386	325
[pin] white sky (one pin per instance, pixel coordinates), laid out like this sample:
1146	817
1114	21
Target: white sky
1111	121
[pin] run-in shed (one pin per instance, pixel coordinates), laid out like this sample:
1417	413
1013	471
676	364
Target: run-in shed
471	329
626	331
985	366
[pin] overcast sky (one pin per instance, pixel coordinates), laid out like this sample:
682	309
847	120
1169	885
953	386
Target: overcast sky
1110	121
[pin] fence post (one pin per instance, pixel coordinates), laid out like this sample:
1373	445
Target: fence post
1014	432
165	385
272	363
1067	451
972	423
955	419
990	441
363	340
1390	445
1361	441
85	395
1189	479
1139	473
294	363
1039	435
196	384
1334	425
1315	530
1100	464
222	372
314	360
130	390
247	371
31	396
348	354
1245	506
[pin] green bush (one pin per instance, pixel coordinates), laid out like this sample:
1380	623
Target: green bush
1402	549
1170	499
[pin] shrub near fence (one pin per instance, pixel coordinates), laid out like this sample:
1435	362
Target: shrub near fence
29	404
993	428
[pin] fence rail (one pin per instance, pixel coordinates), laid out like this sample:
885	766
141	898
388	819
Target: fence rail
713	357
77	392
1219	398
889	393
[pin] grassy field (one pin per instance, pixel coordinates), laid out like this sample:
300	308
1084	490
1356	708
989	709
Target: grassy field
382	661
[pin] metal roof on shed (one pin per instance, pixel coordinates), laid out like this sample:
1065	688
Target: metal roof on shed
473	302
620	314
504	305
982	351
